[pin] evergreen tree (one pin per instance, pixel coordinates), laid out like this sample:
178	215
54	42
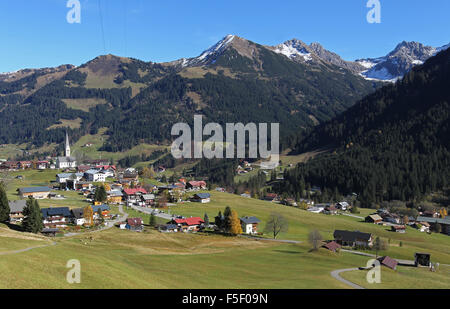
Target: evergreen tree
4	204
32	222
206	219
100	194
152	221
227	219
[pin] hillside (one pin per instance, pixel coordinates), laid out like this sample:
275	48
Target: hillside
393	144
234	81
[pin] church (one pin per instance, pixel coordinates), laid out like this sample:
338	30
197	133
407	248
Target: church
67	161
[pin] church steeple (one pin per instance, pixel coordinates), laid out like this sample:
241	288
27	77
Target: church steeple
67	152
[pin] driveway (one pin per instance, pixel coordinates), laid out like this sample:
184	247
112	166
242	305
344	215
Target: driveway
336	275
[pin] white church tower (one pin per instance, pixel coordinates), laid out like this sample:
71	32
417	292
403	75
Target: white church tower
67	152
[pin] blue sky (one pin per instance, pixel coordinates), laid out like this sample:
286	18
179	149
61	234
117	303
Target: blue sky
35	33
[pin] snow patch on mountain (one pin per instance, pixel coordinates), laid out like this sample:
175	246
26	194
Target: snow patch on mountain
293	49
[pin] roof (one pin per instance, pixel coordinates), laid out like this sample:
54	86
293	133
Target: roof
148	196
190	221
93	172
66	159
430	220
114	193
202	195
17	206
169	227
134	191
134	221
375	217
388	262
78	213
59	211
332	246
197	183
250	220
98	208
351	236
34	189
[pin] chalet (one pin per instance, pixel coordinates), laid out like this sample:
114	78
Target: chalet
68	180
188	224
78	216
330	210
391	218
104	210
289	202
375	219
203	198
388	262
35	192
83	186
196	185
316	209
422	226
10	165
134	195
135	224
83	168
50	232
352	239
97	162
23	165
250	225
130	176
343	206
16	211
115	196
148	200
431	214
95	175
271	197
398	228
42	165
56	217
168	228
332	246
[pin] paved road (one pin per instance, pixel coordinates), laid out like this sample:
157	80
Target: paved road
274	240
350	215
27	249
336	274
150	210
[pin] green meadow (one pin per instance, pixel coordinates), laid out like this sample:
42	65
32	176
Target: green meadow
124	259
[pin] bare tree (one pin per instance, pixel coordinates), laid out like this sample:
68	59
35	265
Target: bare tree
315	239
276	224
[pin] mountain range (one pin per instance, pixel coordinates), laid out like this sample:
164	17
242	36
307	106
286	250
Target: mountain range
236	80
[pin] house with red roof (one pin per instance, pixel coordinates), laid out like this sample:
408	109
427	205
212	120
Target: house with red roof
196	185
134	195
188	224
135	224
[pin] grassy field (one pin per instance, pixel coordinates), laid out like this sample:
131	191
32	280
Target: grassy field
404	277
302	222
124	259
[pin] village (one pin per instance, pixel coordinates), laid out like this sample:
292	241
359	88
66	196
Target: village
108	197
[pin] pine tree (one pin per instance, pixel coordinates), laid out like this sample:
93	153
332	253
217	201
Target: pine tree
152	221
32	222
227	222
4	204
206	220
100	194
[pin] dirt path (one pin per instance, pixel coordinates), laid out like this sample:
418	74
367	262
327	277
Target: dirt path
27	249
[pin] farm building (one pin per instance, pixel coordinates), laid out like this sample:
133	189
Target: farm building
375	219
352	239
250	225
35	192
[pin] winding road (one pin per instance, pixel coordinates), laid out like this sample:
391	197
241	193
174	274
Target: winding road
336	274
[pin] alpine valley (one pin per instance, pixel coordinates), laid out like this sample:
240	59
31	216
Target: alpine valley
236	80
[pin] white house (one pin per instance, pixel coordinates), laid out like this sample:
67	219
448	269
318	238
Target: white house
250	225
66	162
95	176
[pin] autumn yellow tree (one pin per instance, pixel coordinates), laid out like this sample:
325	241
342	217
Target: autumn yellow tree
443	213
88	215
235	227
107	187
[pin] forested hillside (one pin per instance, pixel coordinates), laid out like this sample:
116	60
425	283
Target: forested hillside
393	144
139	101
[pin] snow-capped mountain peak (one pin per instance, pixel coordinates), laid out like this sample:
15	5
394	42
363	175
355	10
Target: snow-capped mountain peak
294	49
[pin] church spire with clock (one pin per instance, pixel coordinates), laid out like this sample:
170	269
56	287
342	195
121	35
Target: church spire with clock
67	151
